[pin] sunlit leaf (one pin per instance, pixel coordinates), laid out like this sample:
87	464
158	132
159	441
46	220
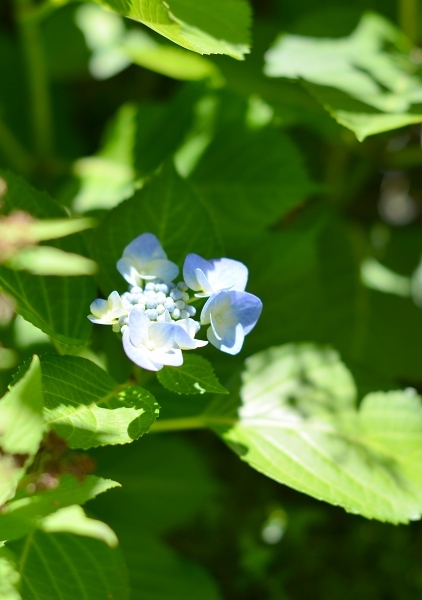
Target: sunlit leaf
366	81
87	408
214	27
23	515
21	428
297	422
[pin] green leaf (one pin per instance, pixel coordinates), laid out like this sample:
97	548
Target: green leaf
156	571
137	141
160	495
65	566
214	27
250	176
297	423
195	376
53	304
73	519
9	576
366	81
87	408
21	428
21	414
43	260
22	516
168	60
167	207
158	492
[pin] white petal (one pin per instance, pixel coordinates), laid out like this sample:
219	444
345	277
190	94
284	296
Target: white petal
162	336
183	339
172	358
128	271
144	248
227	274
99	307
139	325
139	355
162	269
114	301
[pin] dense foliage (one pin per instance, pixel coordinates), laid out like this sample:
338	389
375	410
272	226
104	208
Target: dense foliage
164	168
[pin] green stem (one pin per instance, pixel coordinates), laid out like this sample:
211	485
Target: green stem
186	423
14	151
40	102
408	18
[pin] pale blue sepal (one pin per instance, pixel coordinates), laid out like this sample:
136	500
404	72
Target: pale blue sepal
207	277
231	315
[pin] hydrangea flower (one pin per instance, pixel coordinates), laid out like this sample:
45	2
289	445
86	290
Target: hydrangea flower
144	258
207	277
107	312
231	315
155	315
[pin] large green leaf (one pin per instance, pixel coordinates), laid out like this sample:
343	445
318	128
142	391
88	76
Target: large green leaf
64	566
213	27
25	514
21	430
87	408
251	176
297	422
167	207
56	305
366	81
137	141
165	485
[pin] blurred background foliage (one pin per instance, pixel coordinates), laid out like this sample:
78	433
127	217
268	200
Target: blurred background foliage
330	229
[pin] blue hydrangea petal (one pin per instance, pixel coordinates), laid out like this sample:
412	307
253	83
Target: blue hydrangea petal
144	248
232	342
190	266
231	315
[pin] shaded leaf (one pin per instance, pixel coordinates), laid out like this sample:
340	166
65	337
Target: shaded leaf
260	172
167	207
65	566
